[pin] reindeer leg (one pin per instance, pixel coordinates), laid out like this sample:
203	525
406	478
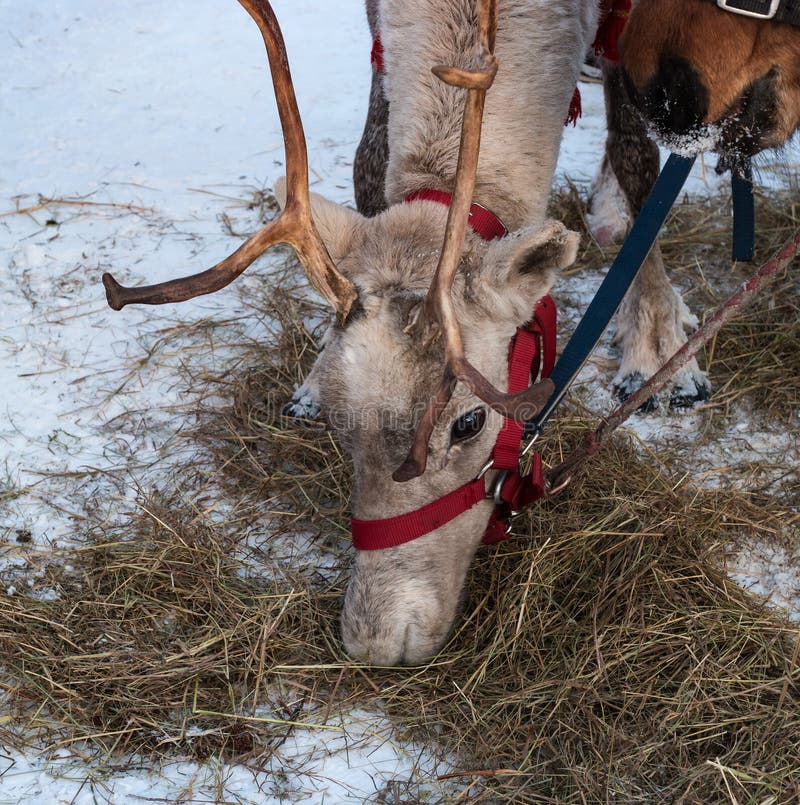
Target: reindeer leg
372	154
652	320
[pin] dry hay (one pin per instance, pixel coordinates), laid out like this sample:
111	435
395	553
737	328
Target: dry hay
603	654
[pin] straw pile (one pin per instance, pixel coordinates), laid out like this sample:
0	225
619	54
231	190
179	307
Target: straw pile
603	654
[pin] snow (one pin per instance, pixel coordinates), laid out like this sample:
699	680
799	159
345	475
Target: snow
148	121
350	766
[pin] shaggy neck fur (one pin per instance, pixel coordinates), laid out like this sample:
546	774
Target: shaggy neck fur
536	49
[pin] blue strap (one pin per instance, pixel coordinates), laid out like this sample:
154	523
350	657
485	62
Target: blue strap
616	283
744	214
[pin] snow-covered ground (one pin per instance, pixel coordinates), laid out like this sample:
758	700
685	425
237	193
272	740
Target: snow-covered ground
128	131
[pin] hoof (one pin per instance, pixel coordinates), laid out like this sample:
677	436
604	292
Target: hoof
301	410
631	384
692	390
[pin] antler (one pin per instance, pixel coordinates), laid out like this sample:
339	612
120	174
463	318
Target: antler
439	307
294	225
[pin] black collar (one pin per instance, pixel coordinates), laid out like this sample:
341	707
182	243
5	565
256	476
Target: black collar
787	11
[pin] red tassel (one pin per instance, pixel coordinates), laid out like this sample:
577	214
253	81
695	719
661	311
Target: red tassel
376	56
613	16
575	110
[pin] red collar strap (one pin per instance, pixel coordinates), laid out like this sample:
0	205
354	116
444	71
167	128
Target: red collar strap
482	221
532	353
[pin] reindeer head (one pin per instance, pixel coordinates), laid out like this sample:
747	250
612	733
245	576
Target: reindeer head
709	79
376	376
403	302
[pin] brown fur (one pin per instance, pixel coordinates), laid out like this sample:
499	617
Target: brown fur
652	319
700	78
729	52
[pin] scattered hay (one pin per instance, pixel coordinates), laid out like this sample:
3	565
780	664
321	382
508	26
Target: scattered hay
758	355
606	656
296	471
130	641
603	654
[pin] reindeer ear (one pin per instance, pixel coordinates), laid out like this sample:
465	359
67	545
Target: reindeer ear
339	226
519	269
534	252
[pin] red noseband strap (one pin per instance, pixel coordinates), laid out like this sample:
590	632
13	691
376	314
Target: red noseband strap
531	355
371	535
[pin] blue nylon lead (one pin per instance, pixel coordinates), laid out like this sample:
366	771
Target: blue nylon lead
744	214
616	283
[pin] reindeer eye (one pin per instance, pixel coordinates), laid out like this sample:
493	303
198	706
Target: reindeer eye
468	425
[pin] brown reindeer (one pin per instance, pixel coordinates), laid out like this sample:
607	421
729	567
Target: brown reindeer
700	78
382	361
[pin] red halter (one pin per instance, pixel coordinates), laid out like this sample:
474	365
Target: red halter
531	354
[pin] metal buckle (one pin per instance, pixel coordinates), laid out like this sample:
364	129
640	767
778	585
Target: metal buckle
730	5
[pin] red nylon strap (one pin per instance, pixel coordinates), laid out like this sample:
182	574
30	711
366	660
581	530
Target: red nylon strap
524	349
546	318
520	490
613	16
532	354
482	221
376	55
517	492
371	535
575	109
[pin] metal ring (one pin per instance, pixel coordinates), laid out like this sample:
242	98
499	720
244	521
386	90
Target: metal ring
486	467
497	487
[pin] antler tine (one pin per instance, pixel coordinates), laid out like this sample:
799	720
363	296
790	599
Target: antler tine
439	303
294	225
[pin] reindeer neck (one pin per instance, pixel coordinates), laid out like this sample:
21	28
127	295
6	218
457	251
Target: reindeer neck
539	58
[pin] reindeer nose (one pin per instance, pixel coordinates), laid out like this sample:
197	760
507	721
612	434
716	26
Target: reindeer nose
396	626
400	646
675	99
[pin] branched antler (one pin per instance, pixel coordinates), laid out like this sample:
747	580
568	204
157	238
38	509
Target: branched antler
439	307
294	225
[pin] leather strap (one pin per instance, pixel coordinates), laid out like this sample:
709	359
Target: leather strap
787	11
616	283
744	214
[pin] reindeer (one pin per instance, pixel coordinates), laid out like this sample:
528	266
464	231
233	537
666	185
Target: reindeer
698	77
404	311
